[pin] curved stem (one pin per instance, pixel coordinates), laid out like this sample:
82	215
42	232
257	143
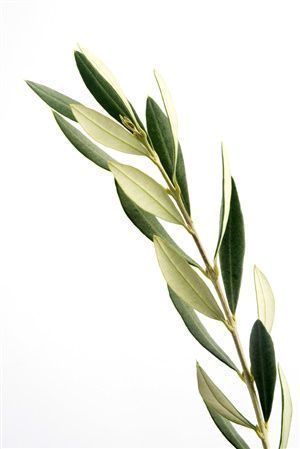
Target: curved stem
212	274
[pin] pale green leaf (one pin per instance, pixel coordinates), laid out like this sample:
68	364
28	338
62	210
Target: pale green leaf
106	131
148	224
286	410
226	199
145	192
265	299
215	399
168	103
109	77
184	280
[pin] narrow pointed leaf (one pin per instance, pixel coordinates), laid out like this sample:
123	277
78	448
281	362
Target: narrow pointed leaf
286	410
184	281
265	299
166	97
145	192
100	88
104	71
162	139
227	429
57	101
82	143
232	250
199	332
148	223
226	197
106	131
263	366
214	398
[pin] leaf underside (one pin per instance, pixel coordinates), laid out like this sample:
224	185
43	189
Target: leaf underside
106	131
216	399
226	196
145	192
265	299
147	223
232	250
184	281
263	366
199	332
286	410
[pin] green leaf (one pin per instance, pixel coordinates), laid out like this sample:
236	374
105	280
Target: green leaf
145	192
263	366
57	101
161	137
82	143
169	108
265	299
227	429
184	281
106	131
147	223
232	250
286	410
104	71
214	398
101	88
226	197
199	332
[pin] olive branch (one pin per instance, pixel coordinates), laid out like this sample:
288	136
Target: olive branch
209	287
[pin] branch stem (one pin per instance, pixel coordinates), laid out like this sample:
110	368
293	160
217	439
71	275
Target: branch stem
212	273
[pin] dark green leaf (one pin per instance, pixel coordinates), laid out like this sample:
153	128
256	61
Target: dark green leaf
227	429
198	331
57	101
147	223
263	366
162	139
232	250
82	143
101	89
181	179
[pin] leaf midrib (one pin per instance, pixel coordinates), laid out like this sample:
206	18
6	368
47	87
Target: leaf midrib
149	194
161	137
238	416
116	104
192	287
109	132
264	305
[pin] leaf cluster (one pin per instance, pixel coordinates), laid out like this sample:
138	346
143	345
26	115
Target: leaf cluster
116	126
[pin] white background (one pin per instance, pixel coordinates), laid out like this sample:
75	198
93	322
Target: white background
93	352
